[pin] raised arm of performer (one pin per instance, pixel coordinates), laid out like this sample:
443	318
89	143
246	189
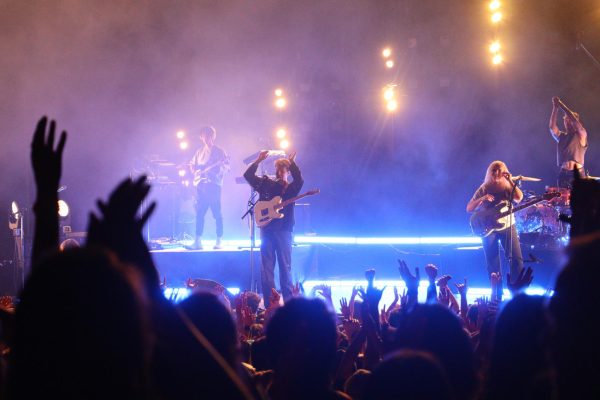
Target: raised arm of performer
298	181
554	131
250	174
571	122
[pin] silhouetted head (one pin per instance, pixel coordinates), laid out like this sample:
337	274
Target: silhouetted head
301	337
211	318
409	374
520	362
82	329
435	329
356	385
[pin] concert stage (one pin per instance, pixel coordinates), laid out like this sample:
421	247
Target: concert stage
231	266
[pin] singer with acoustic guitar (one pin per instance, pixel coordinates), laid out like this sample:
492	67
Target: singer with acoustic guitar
276	235
496	189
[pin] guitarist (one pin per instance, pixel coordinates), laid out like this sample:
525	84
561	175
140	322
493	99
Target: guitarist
498	186
571	144
276	237
209	165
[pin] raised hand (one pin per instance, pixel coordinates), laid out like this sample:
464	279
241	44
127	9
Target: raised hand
47	169
262	156
410	279
370	276
462	287
119	228
521	281
292	156
47	161
297	290
275	297
344	308
443	281
431	270
444	296
556	101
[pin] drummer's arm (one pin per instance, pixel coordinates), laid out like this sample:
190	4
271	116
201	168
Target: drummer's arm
554	131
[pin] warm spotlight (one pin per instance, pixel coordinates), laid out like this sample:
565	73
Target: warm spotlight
388	93
392	105
182	172
496	17
280	103
278	92
280	133
494	5
495	46
180	134
183	145
63	209
15	209
497	59
386	52
284	144
389	64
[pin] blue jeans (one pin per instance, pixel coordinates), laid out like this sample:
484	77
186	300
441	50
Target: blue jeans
276	245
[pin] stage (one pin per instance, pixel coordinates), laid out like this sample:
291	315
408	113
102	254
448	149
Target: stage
333	259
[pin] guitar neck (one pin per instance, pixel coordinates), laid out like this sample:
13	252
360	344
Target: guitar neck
293	199
521	207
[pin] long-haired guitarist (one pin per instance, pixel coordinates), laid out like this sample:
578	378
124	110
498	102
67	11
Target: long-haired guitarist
276	237
496	188
209	165
571	144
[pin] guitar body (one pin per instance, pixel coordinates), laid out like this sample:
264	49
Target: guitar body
497	218
484	222
267	210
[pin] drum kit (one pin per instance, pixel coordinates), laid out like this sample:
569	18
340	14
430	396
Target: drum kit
539	225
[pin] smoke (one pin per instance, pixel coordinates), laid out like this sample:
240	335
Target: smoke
123	76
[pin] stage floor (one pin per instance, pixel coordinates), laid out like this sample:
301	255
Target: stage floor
235	266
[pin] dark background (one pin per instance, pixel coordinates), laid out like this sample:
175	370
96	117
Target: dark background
123	76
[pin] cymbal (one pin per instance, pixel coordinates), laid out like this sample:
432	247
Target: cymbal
594	177
525	178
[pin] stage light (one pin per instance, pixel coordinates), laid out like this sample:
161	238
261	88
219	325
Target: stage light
182	172
497	59
284	144
494	5
496	17
388	93
280	103
495	46
63	209
186	183
389	64
278	92
183	145
15	209
386	52
392	105
180	134
281	133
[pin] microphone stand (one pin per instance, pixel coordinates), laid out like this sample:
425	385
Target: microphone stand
250	213
510	221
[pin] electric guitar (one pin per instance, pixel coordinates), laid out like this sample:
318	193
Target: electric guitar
201	172
266	211
493	219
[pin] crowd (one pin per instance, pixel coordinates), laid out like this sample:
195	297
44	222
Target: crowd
92	322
